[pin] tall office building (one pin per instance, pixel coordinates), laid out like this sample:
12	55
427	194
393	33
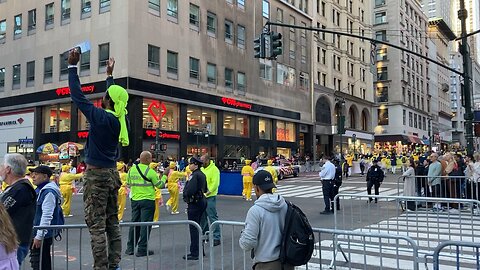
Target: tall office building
188	66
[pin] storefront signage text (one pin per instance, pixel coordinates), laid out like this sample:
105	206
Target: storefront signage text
235	103
152	133
65	91
82	134
157	105
11	122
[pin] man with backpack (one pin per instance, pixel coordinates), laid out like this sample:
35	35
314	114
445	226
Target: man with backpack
48	212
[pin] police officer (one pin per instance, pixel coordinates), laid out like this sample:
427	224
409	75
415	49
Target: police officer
338	181
375	177
193	195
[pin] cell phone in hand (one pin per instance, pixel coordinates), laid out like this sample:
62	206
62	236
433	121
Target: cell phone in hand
81	48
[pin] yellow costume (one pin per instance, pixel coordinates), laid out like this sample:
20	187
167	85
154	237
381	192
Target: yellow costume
349	160
123	190
158	195
172	185
273	172
247	173
66	182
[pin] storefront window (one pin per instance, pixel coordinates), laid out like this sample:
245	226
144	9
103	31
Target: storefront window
201	119
285	131
152	112
284	152
265	129
235	125
82	120
57	118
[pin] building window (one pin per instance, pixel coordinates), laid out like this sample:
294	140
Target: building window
381	35
194	16
152	109
241	36
16	76
56	118
32	21
415	122
86	8
292	40
229	78
266	69
285	131
266	9
17	27
303	43
83	123
304	80
103	55
410	119
172	8
211	23
380	17
382	117
172	62
264	129
235	125
382	73
194	69
49	16
201	119
279	15
404	117
30	73
382	54
241	4
104	6
324	8
241	82
65	6
3	30
2	79
154	59
379	3
63	66
211	73
47	69
382	94
154	5
85	64
285	75
228	31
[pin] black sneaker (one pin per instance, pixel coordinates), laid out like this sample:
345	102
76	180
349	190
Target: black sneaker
190	257
143	254
128	252
326	212
216	242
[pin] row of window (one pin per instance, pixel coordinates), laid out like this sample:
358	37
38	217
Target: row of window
49	11
414	120
285	75
103	55
322	7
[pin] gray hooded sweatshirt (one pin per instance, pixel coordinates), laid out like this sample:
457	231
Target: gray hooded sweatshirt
264	227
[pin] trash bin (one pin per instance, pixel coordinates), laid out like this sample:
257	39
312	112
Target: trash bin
231	183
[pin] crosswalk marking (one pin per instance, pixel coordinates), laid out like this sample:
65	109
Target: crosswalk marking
316	192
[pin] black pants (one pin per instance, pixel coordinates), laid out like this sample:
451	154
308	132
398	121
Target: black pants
328	195
46	260
142	211
195	212
335	193
370	184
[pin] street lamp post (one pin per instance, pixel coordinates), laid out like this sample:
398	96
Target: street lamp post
430	134
341	125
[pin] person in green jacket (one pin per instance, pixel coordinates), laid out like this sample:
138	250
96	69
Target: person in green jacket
213	181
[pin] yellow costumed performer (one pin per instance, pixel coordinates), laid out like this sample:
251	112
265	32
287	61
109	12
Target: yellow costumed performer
66	182
247	173
273	172
158	195
123	190
172	185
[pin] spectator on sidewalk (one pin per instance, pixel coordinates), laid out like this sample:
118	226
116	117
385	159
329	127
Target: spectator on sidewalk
434	180
212	175
264	225
409	185
8	242
19	199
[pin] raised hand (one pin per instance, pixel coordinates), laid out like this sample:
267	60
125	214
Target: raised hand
73	57
110	66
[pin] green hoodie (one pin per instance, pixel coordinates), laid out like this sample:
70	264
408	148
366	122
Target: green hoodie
213	178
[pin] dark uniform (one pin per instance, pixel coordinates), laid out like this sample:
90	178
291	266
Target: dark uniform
337	182
193	195
375	177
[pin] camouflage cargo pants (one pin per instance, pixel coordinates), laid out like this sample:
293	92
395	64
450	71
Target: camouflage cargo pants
100	202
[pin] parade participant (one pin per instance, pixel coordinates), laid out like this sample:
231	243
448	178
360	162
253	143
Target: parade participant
338	182
108	129
182	164
173	182
272	171
142	181
264	225
247	174
375	176
212	175
81	167
362	165
8	242
123	190
393	163
19	199
66	182
48	212
194	196
158	193
349	160
327	175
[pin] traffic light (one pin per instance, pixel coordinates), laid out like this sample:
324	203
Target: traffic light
275	45
259	46
163	147
341	124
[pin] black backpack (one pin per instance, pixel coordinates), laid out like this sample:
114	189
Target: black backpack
298	240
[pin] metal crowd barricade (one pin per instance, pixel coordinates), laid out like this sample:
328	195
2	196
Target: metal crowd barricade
228	247
455	187
430	222
472	262
168	239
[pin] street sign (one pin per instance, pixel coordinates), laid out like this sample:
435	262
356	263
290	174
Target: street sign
25	143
